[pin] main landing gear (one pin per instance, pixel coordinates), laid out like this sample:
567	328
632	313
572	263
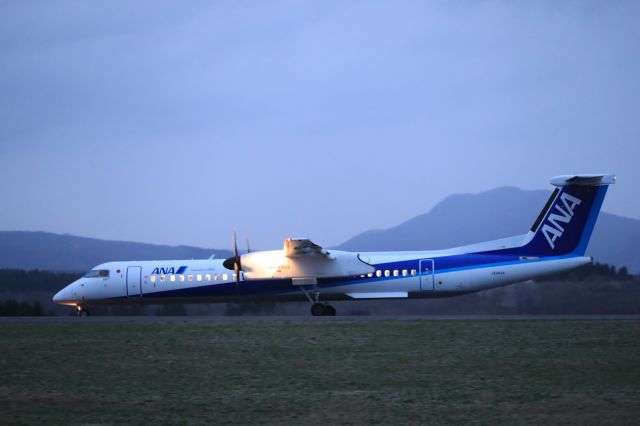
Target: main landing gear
318	309
322	310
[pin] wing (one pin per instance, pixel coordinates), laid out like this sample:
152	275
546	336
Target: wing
303	261
302	247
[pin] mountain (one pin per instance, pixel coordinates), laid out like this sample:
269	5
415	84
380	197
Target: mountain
469	218
457	220
54	252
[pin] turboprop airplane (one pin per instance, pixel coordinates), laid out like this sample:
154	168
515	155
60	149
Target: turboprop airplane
303	270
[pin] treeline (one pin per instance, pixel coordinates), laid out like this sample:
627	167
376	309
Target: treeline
19	280
30	292
591	271
14	308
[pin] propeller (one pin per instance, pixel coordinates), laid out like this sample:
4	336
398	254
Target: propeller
234	262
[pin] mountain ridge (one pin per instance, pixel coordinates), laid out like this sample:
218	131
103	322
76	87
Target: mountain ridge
457	220
462	219
66	252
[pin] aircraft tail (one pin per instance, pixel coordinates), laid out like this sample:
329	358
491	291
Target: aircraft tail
565	224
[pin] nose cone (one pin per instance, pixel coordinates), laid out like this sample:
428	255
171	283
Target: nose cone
63	297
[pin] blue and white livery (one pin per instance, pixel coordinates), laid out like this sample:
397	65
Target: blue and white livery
556	242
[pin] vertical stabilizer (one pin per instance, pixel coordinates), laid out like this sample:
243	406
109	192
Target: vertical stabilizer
565	224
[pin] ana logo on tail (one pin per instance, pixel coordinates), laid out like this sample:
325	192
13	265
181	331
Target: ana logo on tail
552	229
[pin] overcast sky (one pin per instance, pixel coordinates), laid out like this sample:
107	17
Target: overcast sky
178	122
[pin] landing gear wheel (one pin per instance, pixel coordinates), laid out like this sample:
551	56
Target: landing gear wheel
322	310
318	309
83	313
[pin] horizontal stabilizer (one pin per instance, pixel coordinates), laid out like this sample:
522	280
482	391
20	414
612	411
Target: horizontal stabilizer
586	179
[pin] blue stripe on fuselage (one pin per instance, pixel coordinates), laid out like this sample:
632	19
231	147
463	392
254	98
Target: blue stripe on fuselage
259	287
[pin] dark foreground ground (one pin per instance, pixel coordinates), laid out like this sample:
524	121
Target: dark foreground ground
320	372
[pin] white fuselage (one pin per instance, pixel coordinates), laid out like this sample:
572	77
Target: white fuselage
556	242
396	275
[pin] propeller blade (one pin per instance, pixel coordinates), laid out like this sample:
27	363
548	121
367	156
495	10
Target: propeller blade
237	266
233	263
236	255
237	274
248	246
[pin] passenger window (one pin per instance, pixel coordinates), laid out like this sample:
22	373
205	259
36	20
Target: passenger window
378	273
153	278
233	276
404	272
190	277
161	278
413	272
207	277
395	273
199	277
215	277
370	274
181	278
387	273
225	277
172	278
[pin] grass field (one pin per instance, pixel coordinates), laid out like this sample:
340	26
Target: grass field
321	372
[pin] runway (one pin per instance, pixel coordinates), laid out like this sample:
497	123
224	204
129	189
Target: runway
227	319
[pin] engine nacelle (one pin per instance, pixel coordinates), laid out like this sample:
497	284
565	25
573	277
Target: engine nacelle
275	264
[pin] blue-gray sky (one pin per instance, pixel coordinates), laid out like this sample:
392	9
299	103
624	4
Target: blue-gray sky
178	122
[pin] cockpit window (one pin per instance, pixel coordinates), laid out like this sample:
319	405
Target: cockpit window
95	273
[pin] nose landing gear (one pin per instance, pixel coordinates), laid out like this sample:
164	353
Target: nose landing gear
82	312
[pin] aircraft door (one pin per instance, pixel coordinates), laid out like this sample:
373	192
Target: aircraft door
427	275
134	281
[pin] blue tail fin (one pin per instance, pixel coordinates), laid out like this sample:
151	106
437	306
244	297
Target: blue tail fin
565	224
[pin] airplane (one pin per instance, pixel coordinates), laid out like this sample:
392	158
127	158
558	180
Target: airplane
303	270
